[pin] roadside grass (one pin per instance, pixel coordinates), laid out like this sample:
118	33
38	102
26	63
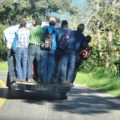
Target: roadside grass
100	81
3	66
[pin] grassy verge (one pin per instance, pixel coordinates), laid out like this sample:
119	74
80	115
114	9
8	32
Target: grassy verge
101	81
3	66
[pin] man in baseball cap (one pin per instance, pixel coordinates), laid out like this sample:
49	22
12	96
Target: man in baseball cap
48	54
52	21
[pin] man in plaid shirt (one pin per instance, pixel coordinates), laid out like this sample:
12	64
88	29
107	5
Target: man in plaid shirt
34	49
23	35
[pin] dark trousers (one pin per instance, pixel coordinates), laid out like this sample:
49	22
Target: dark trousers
48	66
58	65
67	71
34	54
11	64
79	61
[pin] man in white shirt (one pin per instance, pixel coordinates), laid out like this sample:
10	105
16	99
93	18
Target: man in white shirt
9	34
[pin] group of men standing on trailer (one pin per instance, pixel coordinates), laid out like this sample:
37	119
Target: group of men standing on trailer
56	52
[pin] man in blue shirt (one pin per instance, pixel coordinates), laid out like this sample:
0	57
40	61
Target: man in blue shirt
48	57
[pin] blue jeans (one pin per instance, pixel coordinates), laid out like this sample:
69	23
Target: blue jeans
11	64
33	54
48	66
67	70
21	62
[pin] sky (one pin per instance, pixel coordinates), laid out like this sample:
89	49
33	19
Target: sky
80	3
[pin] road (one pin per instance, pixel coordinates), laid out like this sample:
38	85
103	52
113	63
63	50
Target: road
82	104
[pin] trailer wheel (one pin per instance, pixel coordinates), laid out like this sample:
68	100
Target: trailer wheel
12	93
63	96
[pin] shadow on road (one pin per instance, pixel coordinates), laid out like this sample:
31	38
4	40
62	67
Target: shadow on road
80	101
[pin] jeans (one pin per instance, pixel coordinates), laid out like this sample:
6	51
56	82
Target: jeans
21	62
67	70
11	64
33	54
48	66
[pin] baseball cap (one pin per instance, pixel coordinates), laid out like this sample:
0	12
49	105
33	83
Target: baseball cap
52	20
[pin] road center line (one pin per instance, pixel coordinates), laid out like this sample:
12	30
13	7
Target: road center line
2	100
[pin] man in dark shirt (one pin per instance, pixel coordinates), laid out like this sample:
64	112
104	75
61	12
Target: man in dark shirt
63	38
77	42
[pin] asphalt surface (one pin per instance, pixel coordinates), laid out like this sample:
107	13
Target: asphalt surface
82	104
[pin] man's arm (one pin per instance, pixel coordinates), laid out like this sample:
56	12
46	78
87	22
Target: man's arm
7	38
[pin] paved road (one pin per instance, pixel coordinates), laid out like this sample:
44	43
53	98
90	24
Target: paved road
82	104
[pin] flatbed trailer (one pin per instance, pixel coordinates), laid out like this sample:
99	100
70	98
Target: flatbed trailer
55	89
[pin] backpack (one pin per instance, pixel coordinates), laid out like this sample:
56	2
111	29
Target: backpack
15	42
48	37
64	39
85	54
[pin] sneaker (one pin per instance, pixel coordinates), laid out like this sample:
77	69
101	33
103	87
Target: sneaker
12	79
31	81
20	80
38	80
70	85
64	83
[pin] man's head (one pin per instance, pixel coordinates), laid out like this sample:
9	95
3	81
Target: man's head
22	23
36	20
80	28
64	24
52	21
12	22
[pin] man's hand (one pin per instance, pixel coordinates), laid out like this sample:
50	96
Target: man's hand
9	45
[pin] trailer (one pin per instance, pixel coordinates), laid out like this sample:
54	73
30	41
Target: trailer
58	91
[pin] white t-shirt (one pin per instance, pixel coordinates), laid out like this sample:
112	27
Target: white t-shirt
9	33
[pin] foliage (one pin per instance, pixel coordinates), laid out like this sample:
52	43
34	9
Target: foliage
29	7
106	18
2	45
3	66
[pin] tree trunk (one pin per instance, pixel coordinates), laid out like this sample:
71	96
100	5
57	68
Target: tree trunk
99	46
109	48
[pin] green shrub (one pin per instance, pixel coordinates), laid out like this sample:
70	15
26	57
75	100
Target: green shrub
2	44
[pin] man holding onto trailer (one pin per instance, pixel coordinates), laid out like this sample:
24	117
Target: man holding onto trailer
76	43
9	34
85	50
63	39
48	53
34	48
23	35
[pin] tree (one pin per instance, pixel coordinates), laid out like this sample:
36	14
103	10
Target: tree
105	20
15	8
